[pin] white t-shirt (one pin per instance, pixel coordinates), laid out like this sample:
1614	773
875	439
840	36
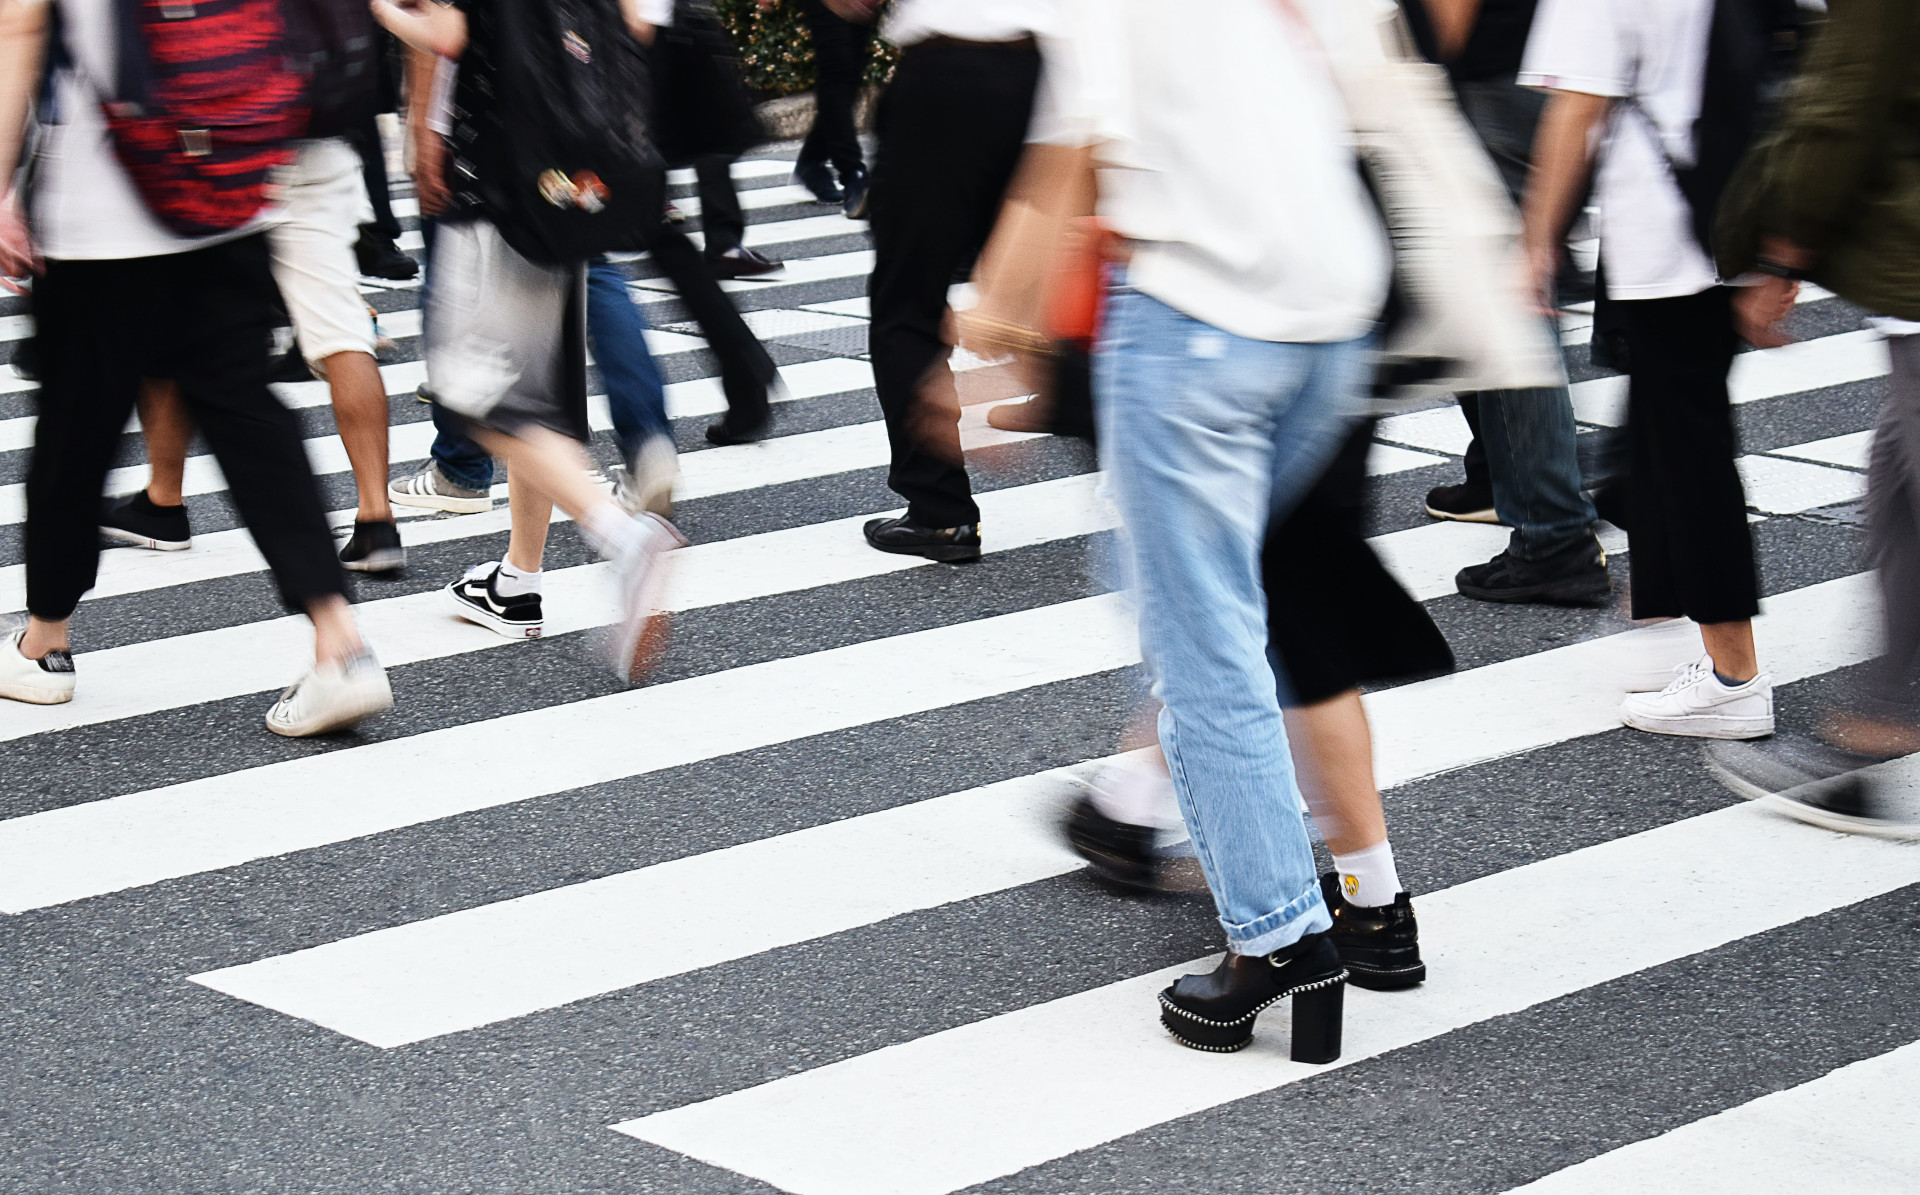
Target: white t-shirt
1226	155
84	205
969	20
1655	50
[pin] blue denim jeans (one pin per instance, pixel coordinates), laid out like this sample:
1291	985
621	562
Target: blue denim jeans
1206	437
636	396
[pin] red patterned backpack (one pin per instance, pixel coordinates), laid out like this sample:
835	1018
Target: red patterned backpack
206	101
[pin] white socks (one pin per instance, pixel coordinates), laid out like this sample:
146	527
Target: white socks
512	582
1367	878
1138	791
613	532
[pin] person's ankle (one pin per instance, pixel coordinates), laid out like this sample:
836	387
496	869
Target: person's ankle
165	500
43	637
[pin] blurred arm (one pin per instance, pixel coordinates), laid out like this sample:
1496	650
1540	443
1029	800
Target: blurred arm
640	21
436	28
1562	154
23	31
1452	24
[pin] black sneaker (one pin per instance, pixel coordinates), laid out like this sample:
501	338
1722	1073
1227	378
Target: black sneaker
908	538
135	522
725	433
476	600
1809	781
817	177
379	257
1116	853
1463	503
374	548
1380	946
1574	576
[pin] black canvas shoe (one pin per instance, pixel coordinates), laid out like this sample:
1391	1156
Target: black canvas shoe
1574	576
1216	1011
1809	781
1380	946
1463	503
379	257
374	548
135	522
1116	853
476	600
818	178
908	538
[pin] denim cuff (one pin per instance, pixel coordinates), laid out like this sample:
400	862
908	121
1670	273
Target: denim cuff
1306	914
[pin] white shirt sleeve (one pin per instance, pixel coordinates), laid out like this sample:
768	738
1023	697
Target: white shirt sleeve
1579	45
656	12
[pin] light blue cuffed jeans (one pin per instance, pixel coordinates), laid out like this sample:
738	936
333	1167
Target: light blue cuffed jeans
1206	436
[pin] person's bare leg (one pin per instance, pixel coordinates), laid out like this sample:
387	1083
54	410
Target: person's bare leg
1731	646
552	465
44	635
167	429
336	637
532	512
360	411
1333	752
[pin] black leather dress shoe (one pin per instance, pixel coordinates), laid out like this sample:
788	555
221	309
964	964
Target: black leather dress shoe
1116	852
378	257
742	262
1380	946
817	177
908	538
1216	1011
855	186
724	433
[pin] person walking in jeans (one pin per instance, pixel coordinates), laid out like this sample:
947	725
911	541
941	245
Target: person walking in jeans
1231	361
120	297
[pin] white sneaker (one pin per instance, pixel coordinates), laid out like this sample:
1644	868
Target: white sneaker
648	484
45	681
640	578
1697	705
331	696
429	489
1656	654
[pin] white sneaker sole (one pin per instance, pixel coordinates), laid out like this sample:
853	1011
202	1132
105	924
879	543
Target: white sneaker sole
1700	726
493	622
452	505
127	539
1839	822
362	706
35	694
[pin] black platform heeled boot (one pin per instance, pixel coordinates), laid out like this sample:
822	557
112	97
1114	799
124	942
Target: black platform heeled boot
1216	1011
1380	946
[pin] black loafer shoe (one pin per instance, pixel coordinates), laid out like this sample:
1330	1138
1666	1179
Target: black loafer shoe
379	257
1216	1011
908	538
855	186
742	262
724	433
1380	946
1116	853
1574	576
817	177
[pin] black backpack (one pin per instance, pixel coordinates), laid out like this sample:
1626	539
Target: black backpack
572	170
336	46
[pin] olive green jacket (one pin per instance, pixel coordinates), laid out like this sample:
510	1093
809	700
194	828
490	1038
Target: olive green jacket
1843	170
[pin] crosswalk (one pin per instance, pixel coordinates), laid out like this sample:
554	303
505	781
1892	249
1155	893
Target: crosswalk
793	915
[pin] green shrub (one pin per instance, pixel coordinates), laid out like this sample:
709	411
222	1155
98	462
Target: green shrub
776	51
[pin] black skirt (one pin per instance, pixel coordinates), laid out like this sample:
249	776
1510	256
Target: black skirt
1336	618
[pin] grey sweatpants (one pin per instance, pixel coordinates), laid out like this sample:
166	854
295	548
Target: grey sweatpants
1893	522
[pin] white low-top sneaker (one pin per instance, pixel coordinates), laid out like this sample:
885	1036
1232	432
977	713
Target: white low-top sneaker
640	580
1652	656
331	696
45	681
1697	705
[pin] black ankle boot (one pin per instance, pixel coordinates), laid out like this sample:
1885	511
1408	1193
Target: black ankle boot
1380	946
1216	1011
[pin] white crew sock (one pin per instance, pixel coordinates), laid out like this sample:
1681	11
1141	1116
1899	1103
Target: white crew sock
1367	877
513	582
613	532
1137	790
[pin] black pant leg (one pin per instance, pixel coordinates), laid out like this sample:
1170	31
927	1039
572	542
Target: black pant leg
94	333
1476	460
721	220
951	129
840	57
373	168
219	351
746	371
1686	489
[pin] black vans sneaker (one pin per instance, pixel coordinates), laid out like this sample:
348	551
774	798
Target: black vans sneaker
374	548
1574	576
135	522
476	600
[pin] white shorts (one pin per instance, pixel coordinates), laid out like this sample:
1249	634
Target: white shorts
323	203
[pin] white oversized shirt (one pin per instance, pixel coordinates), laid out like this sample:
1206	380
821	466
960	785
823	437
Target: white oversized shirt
969	20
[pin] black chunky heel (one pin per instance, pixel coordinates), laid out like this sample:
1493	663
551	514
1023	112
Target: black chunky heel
1216	1011
1316	1023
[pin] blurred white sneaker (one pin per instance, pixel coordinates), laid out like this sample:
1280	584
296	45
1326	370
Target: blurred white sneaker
1654	655
1697	705
331	696
45	681
647	486
640	579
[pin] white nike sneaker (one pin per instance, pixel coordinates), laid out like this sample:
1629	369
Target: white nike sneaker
1654	655
1697	705
640	580
45	681
331	696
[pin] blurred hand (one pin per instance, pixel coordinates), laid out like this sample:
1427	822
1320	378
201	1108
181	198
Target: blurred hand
429	173
1760	312
1543	277
18	258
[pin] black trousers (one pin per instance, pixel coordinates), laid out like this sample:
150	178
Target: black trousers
950	126
721	220
840	59
205	319
373	168
746	371
1692	551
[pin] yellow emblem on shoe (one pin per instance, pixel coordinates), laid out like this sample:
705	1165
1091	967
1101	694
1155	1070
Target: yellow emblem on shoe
1350	885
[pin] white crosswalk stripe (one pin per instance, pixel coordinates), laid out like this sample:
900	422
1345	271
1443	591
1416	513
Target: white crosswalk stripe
519	873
